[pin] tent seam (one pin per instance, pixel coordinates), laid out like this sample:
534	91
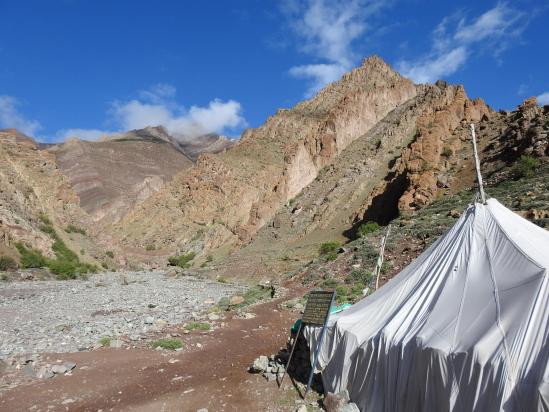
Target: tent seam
498	308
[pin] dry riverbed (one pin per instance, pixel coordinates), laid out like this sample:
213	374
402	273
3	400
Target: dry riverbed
71	316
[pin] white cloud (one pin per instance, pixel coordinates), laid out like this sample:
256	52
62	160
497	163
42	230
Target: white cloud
326	30
436	67
321	74
543	98
10	117
497	22
157	107
492	31
85	134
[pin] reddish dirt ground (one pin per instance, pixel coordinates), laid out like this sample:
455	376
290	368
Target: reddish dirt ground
213	376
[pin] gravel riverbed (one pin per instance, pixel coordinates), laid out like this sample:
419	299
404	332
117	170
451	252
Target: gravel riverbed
67	316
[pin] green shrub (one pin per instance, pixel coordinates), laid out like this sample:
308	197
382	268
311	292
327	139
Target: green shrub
75	229
182	261
197	326
223	303
255	294
66	264
328	247
367	228
168	343
150	247
359	277
525	166
47	229
44	219
30	258
447	152
330	256
425	166
7	263
329	283
62	252
105	341
109	253
63	269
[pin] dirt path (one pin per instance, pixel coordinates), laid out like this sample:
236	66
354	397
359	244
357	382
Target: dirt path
213	376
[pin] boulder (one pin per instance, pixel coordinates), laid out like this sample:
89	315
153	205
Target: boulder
260	364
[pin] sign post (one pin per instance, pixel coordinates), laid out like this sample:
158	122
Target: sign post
316	313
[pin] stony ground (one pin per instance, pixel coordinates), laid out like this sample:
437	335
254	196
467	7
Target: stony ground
70	316
210	372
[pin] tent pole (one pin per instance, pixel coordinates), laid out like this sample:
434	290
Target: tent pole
377	271
291	354
477	165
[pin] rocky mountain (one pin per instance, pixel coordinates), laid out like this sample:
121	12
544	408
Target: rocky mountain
32	189
226	198
369	147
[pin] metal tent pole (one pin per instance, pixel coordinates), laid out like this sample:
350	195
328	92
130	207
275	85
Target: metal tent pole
477	165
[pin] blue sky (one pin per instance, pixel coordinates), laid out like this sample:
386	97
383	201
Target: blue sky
87	67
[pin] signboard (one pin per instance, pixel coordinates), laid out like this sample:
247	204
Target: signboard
317	307
316	313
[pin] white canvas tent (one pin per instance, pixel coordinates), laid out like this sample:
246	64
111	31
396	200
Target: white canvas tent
465	327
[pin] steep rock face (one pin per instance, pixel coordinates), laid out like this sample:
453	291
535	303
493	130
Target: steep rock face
226	198
111	176
422	168
31	186
369	170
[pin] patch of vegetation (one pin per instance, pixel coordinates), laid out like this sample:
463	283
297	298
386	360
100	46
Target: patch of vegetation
328	247
44	219
110	254
329	283
182	260
525	166
348	294
425	166
66	264
30	258
150	247
330	256
367	228
221	279
105	341
255	294
104	265
7	263
447	152
223	303
167	343
75	229
359	277
197	326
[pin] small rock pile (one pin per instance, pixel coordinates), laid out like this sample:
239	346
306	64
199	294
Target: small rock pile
17	369
271	367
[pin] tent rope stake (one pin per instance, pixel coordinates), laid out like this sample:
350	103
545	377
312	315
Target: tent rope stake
477	165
